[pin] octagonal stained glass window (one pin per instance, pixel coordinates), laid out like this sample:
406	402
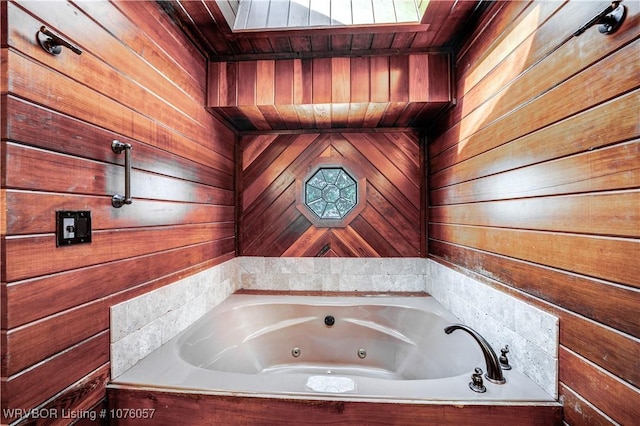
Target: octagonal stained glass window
331	193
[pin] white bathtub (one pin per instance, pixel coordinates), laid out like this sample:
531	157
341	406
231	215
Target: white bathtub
379	347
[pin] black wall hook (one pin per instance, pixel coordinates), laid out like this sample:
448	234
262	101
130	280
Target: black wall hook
53	43
609	19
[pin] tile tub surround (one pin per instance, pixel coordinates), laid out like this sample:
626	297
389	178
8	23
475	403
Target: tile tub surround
532	334
332	274
143	324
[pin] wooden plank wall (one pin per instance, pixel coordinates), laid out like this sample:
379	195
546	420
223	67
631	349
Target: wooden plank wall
534	186
389	225
138	80
320	93
170	408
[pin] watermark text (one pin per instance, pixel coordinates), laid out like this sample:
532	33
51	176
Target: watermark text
93	415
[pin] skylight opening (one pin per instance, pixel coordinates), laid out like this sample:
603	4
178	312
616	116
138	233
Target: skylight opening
255	15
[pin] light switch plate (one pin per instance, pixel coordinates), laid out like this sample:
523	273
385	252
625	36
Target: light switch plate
73	227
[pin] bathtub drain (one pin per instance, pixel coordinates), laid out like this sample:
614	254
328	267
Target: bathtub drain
295	352
362	353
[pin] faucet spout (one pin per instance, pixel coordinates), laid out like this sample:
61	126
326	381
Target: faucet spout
494	372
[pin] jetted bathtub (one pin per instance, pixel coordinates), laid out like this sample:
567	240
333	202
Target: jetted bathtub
362	348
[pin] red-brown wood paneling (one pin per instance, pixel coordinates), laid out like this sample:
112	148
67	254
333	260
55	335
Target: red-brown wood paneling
533	175
173	407
139	80
338	92
534	186
389	225
202	20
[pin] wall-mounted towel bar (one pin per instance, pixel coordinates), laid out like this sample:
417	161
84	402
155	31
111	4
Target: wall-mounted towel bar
118	200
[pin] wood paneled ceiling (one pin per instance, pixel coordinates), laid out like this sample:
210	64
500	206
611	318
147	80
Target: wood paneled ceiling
204	23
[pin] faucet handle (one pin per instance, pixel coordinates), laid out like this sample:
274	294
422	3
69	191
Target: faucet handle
504	361
476	384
